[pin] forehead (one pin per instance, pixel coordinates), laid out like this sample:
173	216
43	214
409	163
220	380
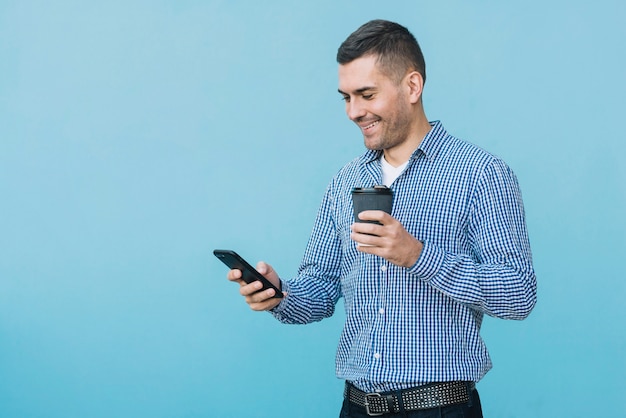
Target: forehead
359	73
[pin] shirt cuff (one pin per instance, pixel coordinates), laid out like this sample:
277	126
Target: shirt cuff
429	262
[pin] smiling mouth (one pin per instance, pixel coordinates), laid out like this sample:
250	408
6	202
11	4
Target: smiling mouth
370	126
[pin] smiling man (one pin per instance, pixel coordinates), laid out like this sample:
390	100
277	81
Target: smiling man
454	248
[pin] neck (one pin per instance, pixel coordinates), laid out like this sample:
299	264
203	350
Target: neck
401	153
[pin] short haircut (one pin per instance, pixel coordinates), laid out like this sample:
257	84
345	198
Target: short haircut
396	49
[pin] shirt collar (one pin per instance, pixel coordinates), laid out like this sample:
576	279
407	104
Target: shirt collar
432	142
429	146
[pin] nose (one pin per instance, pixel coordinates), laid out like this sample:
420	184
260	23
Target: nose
354	110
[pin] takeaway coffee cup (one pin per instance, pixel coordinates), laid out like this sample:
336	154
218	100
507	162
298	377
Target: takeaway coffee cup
371	198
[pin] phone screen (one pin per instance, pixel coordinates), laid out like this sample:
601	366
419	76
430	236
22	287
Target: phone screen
248	273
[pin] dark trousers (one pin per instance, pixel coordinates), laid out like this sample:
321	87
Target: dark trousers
471	409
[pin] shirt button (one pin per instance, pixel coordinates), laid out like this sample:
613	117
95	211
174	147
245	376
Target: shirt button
377	356
383	268
381	311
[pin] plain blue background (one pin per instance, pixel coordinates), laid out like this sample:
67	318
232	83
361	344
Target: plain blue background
136	137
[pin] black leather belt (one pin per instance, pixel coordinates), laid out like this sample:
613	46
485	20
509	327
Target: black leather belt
423	397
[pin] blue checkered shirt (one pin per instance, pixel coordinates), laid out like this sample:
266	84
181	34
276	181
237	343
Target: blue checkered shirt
411	326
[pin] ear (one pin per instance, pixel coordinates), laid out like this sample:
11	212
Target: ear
415	83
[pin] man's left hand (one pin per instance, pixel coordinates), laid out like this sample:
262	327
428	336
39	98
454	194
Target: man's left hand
389	240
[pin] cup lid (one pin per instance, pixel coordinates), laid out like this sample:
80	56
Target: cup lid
378	189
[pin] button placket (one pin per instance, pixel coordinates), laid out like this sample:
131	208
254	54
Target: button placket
380	321
383	269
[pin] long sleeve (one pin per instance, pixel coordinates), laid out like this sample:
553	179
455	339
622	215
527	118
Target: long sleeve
497	278
313	294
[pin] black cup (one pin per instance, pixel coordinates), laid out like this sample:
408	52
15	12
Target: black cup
371	198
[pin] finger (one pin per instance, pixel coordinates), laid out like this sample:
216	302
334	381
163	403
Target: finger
262	300
265	304
365	248
250	289
364	239
263	268
234	275
260	296
366	228
267	271
374	215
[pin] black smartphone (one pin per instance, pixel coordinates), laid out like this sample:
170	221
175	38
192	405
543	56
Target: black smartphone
248	273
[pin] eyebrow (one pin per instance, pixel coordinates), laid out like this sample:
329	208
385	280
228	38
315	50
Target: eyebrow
358	91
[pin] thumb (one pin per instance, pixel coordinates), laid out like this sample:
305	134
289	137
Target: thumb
268	272
262	267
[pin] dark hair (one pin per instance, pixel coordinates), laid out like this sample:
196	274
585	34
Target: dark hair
396	48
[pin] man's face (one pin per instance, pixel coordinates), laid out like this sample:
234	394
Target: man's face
378	105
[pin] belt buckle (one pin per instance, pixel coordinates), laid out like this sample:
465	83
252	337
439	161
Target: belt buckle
367	405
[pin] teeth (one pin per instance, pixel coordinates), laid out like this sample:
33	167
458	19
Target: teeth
371	125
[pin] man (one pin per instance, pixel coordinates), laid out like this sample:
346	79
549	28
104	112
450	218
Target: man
454	247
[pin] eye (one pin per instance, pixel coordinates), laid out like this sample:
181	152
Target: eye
345	98
368	96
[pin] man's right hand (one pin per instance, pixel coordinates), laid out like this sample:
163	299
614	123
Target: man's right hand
258	300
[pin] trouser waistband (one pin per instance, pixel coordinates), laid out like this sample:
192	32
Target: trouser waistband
422	397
